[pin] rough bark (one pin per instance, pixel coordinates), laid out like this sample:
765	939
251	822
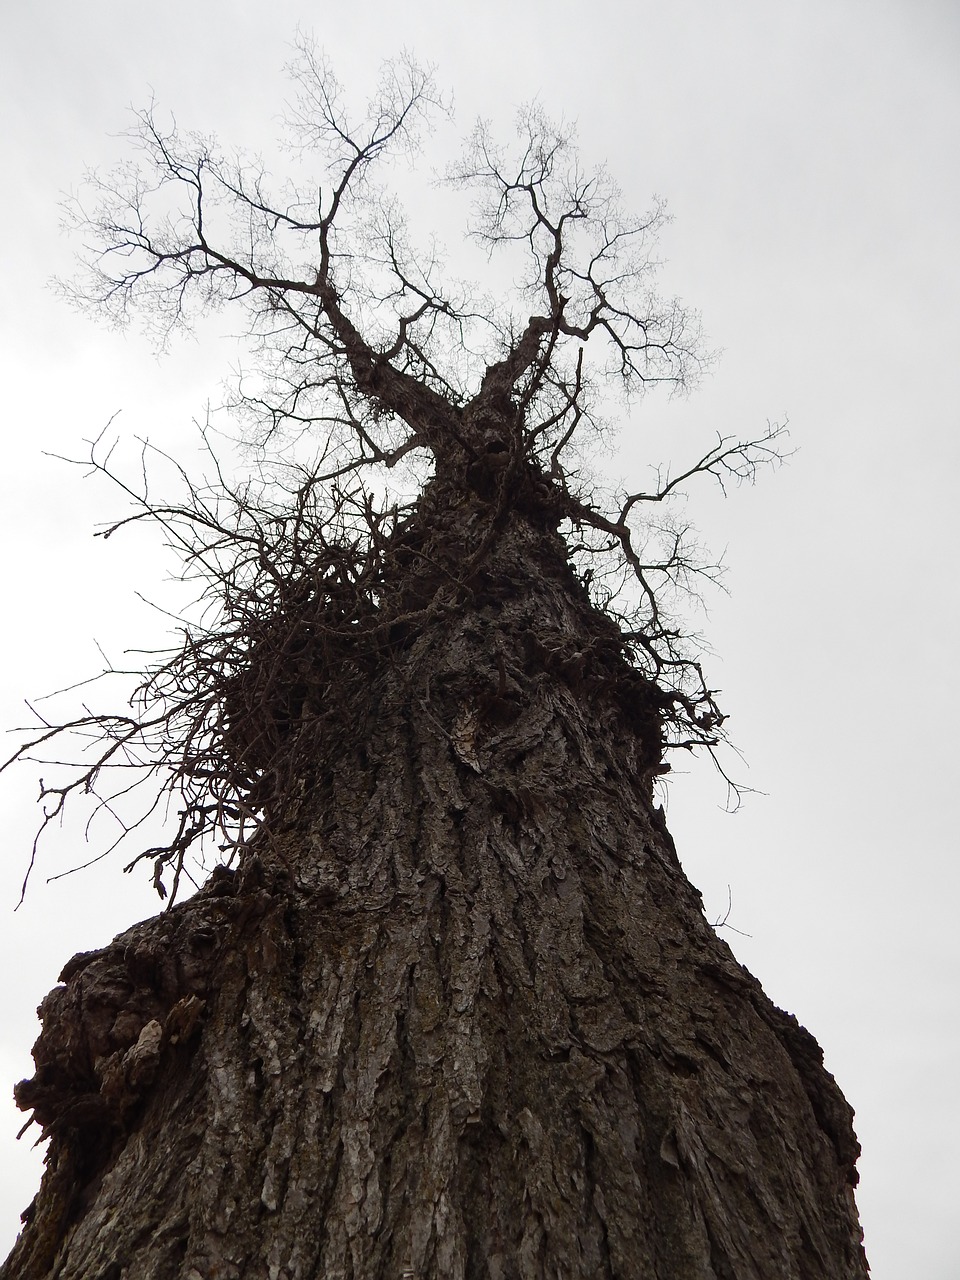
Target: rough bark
463	1016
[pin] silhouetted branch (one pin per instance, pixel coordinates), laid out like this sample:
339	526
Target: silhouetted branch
405	389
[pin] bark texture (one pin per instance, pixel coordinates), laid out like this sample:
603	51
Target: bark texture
463	1016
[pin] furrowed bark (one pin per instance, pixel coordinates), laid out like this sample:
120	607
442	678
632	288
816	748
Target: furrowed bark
462	1016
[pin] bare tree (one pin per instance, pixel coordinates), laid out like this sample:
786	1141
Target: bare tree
448	1006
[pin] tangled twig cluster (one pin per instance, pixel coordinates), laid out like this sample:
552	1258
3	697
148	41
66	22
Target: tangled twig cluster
222	726
360	346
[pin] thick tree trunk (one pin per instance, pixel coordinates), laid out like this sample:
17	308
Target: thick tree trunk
463	1017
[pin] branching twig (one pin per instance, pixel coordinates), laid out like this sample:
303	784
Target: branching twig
360	347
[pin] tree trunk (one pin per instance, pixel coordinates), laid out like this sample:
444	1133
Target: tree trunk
462	1016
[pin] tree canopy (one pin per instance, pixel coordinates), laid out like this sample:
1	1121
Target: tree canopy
381	386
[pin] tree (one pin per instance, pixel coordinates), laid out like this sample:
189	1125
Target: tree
448	1006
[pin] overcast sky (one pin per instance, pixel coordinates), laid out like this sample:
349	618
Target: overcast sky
809	155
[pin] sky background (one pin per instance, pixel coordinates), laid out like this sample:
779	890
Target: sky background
809	156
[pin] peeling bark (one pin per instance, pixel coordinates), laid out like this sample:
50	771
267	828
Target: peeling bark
462	1017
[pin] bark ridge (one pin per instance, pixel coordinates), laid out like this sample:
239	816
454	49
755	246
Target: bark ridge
462	1017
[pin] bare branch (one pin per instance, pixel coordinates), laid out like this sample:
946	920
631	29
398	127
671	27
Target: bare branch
379	395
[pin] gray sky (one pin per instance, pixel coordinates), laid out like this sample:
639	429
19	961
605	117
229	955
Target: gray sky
809	154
